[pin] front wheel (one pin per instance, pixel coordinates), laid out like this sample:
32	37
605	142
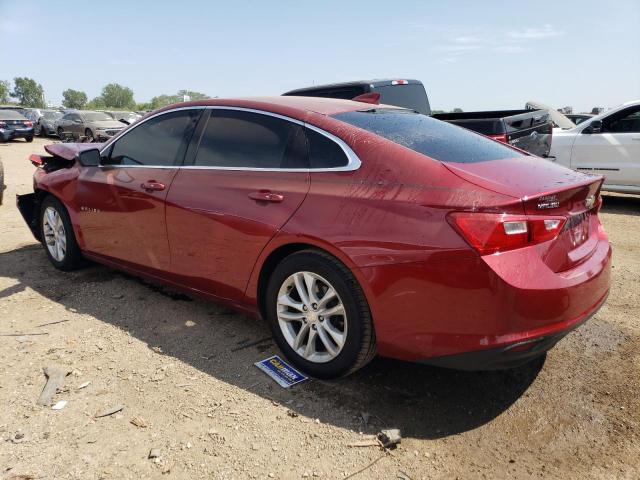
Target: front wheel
60	133
89	135
29	139
57	236
319	316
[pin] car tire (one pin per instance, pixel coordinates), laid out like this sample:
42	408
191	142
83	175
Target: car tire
60	132
43	131
58	238
89	135
321	346
29	139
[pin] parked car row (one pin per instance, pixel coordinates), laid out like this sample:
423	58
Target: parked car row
74	124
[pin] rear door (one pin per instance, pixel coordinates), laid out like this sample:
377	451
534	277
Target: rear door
614	152
248	176
122	202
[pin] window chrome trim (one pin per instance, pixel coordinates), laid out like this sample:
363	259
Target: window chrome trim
353	162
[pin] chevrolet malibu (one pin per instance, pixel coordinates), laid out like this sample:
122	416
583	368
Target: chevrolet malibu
352	228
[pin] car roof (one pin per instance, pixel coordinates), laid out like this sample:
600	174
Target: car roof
378	82
296	107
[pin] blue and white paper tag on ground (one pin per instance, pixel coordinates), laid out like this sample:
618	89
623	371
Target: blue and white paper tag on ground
280	371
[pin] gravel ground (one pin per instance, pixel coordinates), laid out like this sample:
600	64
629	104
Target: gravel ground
183	369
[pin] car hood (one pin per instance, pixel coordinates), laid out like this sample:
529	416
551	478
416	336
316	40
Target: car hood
520	177
68	151
107	124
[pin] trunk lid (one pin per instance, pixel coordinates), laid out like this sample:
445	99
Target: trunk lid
546	189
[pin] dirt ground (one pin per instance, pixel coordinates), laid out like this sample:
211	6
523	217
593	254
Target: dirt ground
184	370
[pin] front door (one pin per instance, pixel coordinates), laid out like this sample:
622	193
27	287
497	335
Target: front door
248	177
614	152
122	202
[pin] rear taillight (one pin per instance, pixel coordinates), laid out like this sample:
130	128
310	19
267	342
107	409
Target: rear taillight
28	123
501	138
3	125
496	232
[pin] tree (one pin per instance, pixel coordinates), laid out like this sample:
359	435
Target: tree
28	92
457	110
118	97
164	100
96	104
74	98
4	92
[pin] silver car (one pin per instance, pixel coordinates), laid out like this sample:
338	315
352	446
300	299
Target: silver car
94	126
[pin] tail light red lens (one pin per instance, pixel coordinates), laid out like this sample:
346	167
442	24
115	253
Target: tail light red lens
28	123
500	138
495	232
3	125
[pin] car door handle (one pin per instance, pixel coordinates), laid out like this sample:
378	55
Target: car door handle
152	185
266	196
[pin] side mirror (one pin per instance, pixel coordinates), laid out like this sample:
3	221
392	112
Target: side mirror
89	158
594	127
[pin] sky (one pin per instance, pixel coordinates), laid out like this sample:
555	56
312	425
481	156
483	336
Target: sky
475	55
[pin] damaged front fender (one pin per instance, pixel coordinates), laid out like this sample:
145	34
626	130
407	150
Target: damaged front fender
29	207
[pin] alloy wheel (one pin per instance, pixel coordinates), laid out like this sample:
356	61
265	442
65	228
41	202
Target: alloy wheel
55	236
312	317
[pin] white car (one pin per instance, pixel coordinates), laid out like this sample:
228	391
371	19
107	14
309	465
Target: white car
608	144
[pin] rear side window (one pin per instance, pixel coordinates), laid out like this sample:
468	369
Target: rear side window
412	96
238	139
324	152
428	136
160	141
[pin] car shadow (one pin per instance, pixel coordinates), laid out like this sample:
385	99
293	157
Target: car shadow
423	401
621	204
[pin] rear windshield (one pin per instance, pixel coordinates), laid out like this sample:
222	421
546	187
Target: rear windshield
51	114
434	138
410	96
96	116
11	115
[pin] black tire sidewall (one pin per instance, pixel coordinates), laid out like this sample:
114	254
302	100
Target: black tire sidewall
72	257
308	261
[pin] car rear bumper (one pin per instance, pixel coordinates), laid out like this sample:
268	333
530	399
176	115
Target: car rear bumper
7	135
511	355
490	306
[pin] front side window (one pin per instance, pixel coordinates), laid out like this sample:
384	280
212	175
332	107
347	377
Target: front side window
627	121
239	139
436	139
160	141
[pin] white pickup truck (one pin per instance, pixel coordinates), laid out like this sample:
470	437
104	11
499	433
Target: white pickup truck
608	144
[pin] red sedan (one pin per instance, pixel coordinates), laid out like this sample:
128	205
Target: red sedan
352	228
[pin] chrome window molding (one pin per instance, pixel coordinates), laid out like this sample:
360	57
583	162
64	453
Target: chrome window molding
353	162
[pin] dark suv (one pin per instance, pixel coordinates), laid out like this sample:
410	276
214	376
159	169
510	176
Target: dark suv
401	93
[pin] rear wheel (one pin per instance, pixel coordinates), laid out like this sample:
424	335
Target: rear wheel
319	316
57	236
60	132
89	134
29	139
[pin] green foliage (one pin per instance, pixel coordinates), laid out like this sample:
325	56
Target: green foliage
74	98
457	110
96	104
4	92
164	100
28	92
117	97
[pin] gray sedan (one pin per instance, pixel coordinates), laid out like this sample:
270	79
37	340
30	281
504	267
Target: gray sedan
94	126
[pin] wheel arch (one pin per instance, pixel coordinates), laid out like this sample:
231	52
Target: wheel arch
279	249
